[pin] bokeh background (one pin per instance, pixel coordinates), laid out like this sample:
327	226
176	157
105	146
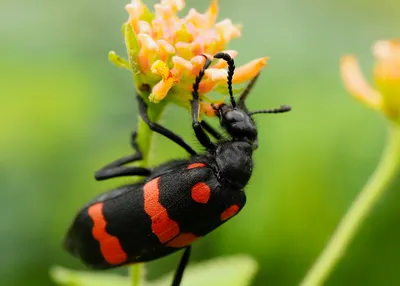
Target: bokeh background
66	111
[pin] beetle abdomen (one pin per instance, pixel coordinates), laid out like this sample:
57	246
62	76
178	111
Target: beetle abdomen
148	220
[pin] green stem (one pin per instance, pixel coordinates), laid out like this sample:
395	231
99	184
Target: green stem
384	174
144	140
135	274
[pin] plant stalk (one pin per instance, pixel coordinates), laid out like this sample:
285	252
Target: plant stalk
144	140
385	173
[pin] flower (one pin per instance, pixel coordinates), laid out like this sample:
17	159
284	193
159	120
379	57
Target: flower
165	51
386	96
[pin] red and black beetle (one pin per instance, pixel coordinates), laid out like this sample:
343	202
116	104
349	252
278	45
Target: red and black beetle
177	202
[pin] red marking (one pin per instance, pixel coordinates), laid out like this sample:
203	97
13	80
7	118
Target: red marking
230	212
196	165
110	246
162	226
201	193
182	240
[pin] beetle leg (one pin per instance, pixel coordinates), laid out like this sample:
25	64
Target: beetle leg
181	268
137	156
162	130
121	171
198	129
116	168
245	93
213	132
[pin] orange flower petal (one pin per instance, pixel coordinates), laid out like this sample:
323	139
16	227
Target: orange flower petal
387	50
207	109
197	63
176	5
144	27
180	66
227	30
195	18
387	68
160	90
212	12
147	42
208	41
135	10
166	49
164	11
206	20
387	75
157	25
248	71
216	75
356	83
206	86
159	67
148	52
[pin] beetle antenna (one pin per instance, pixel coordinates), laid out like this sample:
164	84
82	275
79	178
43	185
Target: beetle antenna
199	77
231	70
282	109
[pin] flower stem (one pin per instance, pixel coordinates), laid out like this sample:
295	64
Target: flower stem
135	274
144	140
384	174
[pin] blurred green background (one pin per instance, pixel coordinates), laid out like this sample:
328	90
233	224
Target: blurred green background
66	111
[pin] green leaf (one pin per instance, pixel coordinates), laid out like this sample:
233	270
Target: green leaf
117	60
132	46
66	277
233	271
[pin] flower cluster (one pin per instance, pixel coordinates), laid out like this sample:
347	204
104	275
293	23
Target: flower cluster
165	51
386	97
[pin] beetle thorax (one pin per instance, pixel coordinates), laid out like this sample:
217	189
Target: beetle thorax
235	163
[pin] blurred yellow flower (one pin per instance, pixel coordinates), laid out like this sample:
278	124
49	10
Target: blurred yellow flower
165	51
386	97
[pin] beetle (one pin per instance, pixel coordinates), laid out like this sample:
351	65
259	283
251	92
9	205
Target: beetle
176	202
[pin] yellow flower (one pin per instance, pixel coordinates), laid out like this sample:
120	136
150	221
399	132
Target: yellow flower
165	51
386	97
